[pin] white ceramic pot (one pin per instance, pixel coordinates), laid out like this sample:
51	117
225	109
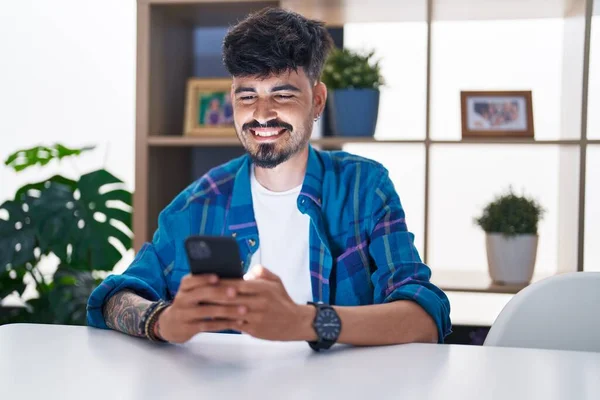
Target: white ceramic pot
511	260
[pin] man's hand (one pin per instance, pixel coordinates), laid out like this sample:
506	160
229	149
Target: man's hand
271	313
186	316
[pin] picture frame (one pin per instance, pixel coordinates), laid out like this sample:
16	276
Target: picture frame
208	107
497	114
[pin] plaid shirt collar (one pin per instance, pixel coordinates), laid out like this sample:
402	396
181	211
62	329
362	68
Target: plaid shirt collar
240	218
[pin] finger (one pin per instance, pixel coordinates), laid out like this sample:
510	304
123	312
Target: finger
215	326
199	313
192	282
220	294
252	303
261	272
251	287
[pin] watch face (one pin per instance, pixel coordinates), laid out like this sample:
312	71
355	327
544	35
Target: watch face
327	324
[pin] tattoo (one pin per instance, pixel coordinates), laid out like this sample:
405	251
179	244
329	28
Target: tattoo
124	311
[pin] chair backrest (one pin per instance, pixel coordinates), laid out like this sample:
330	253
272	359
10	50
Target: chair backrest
561	312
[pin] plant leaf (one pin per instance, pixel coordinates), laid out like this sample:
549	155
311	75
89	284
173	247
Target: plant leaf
346	68
9	285
511	215
17	233
42	155
40	186
78	229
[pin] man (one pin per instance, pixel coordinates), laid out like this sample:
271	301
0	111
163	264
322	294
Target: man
321	227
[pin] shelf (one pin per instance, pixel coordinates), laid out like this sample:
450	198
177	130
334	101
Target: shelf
332	12
504	9
339	12
474	282
509	141
340	141
207	13
184	141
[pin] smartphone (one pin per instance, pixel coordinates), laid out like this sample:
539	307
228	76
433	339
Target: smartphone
218	255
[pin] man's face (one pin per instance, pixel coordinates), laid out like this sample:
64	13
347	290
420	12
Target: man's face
274	116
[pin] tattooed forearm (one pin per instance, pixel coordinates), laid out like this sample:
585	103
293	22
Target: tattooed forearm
123	312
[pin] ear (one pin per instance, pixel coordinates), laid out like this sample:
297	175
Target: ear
319	98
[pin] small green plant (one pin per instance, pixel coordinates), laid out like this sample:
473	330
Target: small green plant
511	215
346	69
84	223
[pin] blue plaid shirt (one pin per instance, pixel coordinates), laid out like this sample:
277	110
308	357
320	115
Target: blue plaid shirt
360	249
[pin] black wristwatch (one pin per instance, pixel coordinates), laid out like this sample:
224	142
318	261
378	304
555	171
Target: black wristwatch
327	326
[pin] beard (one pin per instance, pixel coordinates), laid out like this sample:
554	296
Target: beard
270	155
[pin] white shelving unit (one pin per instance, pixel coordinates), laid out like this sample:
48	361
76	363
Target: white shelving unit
165	29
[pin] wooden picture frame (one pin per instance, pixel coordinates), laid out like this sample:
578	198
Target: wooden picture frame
496	114
208	108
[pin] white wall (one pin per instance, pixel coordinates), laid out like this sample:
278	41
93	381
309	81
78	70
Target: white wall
67	75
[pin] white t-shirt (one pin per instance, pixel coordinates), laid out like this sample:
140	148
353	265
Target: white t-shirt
283	233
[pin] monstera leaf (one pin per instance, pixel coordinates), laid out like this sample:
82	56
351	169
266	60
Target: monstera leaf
19	227
11	280
82	227
34	189
18	238
85	223
41	155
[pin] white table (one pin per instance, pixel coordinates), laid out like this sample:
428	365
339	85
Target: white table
60	362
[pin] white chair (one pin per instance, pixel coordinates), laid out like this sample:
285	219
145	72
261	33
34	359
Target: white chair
561	313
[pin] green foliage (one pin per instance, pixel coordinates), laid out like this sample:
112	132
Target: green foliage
41	155
86	224
511	215
345	69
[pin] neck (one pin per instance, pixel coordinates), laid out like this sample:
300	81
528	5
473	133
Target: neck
286	175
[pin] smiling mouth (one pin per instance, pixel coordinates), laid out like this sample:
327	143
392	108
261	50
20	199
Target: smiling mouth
266	133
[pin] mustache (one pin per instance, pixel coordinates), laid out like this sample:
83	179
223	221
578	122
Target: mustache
274	123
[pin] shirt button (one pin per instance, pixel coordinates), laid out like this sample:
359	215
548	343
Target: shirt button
251	242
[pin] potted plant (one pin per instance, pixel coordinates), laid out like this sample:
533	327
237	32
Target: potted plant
353	80
85	224
511	226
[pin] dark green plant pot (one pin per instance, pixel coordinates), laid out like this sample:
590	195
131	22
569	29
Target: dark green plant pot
354	111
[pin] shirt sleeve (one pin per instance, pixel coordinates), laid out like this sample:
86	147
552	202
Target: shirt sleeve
400	273
145	276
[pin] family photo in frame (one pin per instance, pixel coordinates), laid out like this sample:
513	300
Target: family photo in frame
497	114
208	107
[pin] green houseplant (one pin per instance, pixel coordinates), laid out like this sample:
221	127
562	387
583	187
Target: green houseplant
353	80
511	226
84	223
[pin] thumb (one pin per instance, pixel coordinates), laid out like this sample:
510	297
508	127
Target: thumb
260	272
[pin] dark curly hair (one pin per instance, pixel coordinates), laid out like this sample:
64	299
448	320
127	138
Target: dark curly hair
274	40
